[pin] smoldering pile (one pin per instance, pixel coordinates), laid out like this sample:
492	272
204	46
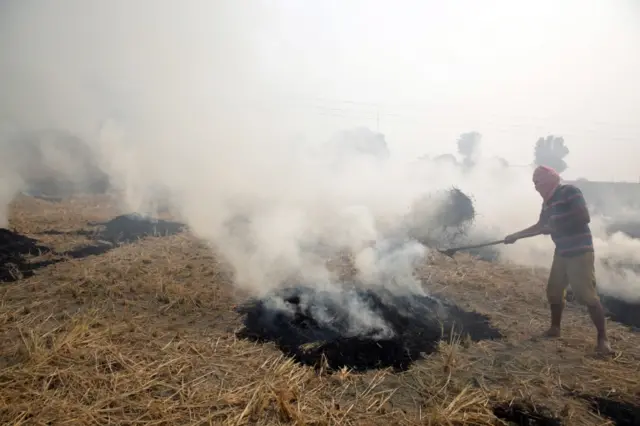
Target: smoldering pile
131	227
445	219
358	328
14	249
440	218
379	324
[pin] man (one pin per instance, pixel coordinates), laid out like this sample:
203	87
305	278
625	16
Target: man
565	216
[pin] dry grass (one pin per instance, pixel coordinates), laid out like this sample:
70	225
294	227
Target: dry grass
143	334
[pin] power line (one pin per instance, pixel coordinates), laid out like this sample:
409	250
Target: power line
404	110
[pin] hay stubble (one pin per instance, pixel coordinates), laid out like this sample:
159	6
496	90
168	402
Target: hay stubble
144	333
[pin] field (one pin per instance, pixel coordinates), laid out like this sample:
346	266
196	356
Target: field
144	332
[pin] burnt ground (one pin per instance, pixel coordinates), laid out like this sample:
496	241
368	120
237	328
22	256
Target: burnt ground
126	228
131	227
627	313
526	414
14	250
146	332
316	327
617	309
621	411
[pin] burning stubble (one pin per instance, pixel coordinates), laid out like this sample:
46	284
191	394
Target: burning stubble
358	328
181	112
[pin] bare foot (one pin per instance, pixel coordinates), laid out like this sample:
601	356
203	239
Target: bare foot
604	348
552	332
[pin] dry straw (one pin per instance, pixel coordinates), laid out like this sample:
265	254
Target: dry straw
143	334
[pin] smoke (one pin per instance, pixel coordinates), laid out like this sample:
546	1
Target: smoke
169	101
10	182
469	147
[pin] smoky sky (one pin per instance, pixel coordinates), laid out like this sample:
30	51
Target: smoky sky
227	107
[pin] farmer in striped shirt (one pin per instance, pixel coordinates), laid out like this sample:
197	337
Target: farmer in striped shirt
565	216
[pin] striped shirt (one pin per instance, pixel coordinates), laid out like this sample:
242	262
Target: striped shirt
571	239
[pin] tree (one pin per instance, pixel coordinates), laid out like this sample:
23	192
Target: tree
469	148
550	151
360	141
446	158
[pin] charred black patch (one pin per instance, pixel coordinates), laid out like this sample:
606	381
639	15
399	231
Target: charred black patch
129	228
627	313
521	413
621	412
618	310
357	328
124	229
14	250
121	229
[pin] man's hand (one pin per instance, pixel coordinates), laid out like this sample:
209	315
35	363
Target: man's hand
511	238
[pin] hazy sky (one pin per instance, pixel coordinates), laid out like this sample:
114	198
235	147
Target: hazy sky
206	97
424	71
511	70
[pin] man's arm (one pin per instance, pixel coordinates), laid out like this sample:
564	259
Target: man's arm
532	231
540	228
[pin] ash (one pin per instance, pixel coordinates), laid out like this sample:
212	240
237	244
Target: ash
358	328
14	251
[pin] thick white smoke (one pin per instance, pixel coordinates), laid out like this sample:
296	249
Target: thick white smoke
169	98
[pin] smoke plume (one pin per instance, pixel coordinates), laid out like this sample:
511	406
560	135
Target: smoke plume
169	102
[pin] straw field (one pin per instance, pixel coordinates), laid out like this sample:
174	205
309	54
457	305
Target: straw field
144	333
